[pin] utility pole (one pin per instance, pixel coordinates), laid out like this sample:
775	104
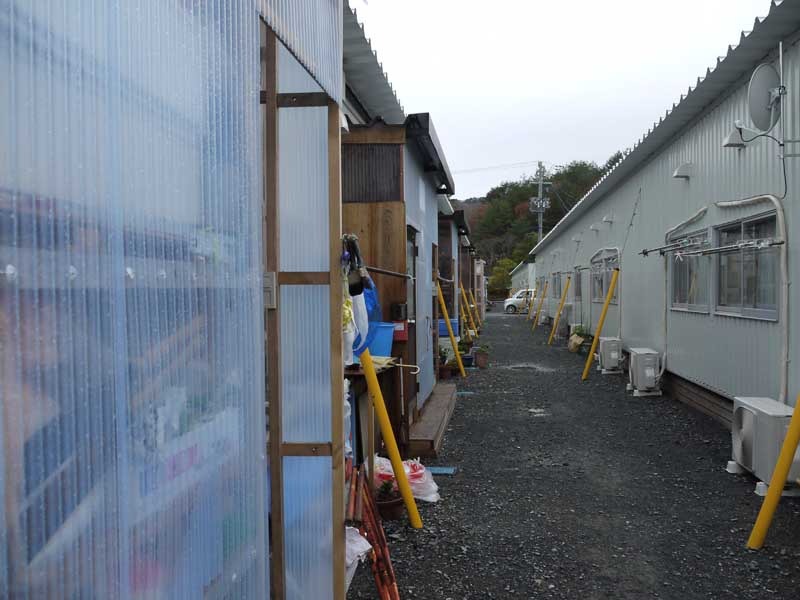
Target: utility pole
540	203
540	176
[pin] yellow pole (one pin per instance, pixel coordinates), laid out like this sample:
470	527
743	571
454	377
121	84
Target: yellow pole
469	312
464	318
530	305
600	323
477	312
388	437
539	308
779	475
450	329
560	308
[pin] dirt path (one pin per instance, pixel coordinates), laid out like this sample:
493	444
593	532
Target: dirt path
570	490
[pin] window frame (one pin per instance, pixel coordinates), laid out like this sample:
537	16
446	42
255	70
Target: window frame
577	286
687	306
556	283
741	311
602	269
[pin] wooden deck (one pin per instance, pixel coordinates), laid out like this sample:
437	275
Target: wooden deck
427	434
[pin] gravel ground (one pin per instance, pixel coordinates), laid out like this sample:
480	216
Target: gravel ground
576	490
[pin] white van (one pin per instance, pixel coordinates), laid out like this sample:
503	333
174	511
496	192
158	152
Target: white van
519	302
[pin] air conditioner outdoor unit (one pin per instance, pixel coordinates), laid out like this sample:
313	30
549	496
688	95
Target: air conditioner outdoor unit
609	355
643	370
757	433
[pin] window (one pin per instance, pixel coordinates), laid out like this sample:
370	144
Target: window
556	285
603	267
690	276
747	278
576	285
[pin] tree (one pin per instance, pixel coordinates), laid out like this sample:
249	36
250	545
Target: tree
500	279
502	225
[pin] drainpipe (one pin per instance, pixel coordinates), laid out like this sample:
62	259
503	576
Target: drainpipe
619	285
784	306
668	234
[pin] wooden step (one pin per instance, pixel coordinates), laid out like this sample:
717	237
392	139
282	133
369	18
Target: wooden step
426	434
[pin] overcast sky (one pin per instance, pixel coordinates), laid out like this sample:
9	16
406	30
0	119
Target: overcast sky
511	81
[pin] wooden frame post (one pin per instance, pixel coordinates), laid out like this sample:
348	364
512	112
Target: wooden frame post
271	263
337	359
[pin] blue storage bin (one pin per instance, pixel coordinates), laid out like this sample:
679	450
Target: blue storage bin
443	327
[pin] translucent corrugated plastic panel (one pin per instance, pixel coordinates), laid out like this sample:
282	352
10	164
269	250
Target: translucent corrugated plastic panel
292	76
305	363
308	514
303	189
132	433
312	30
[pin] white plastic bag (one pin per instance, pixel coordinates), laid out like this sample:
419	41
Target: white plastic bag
423	487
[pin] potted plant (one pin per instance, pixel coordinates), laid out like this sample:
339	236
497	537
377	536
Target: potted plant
481	354
389	501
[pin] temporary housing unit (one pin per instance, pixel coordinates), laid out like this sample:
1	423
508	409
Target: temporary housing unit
393	177
724	320
169	225
523	276
453	228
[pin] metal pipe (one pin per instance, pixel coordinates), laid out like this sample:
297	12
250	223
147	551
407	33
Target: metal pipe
619	294
560	308
539	309
390	273
600	323
450	329
778	480
388	437
469	312
467	332
477	312
784	302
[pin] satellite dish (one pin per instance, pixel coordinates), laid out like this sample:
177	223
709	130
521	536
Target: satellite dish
764	97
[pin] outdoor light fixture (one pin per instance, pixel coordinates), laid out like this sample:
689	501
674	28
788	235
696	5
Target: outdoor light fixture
594	227
734	139
608	219
685	171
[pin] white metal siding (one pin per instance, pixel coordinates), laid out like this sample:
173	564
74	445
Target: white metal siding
734	356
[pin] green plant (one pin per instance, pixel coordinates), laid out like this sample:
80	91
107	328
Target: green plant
579	330
482	348
387	490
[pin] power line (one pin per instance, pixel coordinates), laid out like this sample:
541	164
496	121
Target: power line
495	167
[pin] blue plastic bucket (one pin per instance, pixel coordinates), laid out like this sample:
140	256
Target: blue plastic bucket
381	344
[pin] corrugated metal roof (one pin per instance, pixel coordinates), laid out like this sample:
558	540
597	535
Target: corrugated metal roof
364	74
783	19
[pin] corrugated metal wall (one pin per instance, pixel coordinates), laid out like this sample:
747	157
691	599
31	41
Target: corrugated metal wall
732	355
131	386
312	30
